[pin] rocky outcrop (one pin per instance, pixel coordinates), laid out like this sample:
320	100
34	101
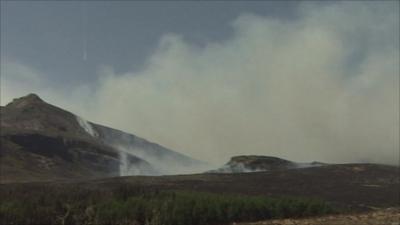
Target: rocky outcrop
257	163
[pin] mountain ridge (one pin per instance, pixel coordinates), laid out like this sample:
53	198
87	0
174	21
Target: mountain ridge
35	134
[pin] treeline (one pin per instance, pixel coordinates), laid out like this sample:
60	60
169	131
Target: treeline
132	206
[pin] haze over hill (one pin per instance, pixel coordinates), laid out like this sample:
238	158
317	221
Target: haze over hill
70	171
42	141
308	84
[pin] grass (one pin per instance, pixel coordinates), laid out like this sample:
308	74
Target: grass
137	206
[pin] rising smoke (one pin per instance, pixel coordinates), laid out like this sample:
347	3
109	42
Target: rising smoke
324	86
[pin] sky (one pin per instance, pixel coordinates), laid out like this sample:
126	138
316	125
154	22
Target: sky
299	80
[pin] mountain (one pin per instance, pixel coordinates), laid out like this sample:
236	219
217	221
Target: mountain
257	163
40	141
162	159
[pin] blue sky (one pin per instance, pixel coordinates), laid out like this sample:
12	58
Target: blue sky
313	80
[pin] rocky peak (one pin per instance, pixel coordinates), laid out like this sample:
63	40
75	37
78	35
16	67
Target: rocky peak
31	113
26	100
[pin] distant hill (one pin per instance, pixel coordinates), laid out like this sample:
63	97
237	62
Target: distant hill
257	163
40	141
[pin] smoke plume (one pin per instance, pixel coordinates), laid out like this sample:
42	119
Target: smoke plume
323	86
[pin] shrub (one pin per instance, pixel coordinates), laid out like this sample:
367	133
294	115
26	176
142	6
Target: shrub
148	207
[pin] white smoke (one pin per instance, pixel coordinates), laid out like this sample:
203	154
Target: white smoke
124	164
324	86
238	167
163	164
86	126
127	168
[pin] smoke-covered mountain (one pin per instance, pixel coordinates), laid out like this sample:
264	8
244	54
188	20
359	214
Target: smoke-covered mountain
256	163
41	141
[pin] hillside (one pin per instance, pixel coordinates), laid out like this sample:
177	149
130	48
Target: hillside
57	168
40	141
